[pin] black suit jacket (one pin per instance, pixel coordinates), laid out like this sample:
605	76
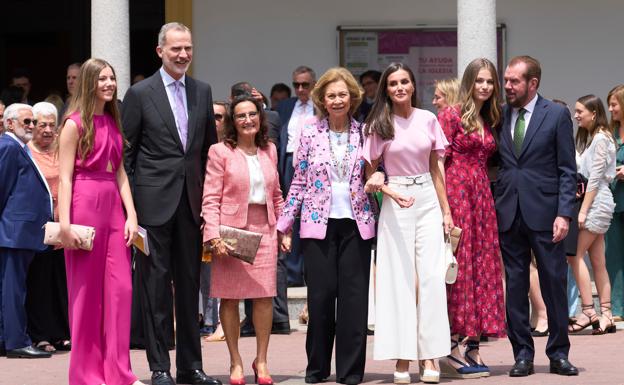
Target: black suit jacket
155	161
541	181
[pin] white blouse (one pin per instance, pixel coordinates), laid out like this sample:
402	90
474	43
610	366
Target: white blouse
340	195
257	194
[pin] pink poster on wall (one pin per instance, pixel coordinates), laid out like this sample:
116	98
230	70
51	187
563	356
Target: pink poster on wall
430	53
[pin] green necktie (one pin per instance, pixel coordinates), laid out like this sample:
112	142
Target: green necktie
518	136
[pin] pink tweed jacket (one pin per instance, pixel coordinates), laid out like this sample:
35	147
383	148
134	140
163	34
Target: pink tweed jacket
310	190
226	188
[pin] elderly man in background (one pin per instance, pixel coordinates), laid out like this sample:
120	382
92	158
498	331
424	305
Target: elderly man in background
46	298
25	206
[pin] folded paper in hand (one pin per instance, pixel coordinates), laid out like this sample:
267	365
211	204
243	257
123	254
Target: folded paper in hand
141	242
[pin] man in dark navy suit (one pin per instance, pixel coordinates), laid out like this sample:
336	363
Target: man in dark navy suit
169	123
535	192
293	112
25	206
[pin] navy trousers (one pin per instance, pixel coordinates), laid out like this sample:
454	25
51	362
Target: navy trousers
516	245
13	319
294	259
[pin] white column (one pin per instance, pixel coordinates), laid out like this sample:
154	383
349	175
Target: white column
110	38
476	32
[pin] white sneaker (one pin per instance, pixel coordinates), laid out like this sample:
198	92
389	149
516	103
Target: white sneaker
402	378
429	376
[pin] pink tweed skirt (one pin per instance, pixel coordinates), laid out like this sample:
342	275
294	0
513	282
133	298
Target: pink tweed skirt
234	279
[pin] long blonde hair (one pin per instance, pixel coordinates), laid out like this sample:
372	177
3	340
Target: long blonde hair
491	110
84	100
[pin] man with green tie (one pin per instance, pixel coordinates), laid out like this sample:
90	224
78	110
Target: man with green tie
535	192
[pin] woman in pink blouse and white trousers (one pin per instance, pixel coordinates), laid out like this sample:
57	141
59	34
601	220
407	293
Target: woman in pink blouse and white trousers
411	318
337	224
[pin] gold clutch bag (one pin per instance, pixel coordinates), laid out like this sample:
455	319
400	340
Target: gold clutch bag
53	231
245	243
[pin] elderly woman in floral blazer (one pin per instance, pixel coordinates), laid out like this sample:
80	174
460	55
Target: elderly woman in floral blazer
337	224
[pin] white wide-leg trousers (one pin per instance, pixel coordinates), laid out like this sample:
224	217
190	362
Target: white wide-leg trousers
411	317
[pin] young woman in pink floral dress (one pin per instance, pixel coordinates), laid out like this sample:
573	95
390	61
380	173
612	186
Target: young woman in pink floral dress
475	301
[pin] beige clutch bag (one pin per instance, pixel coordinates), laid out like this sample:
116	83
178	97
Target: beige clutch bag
85	233
455	236
245	243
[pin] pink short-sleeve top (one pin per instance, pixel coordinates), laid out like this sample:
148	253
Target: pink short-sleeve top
414	140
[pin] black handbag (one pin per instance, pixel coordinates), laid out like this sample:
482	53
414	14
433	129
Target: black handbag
581	186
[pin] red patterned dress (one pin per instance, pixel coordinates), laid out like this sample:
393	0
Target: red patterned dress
475	302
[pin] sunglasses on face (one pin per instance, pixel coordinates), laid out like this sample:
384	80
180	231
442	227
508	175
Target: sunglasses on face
304	85
28	121
218	117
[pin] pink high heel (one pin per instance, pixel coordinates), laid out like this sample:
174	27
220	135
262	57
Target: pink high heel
237	381
260	380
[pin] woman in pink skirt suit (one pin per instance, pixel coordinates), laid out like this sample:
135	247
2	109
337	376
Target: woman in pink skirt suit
242	190
94	191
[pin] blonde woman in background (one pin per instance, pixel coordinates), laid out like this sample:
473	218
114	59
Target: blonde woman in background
446	93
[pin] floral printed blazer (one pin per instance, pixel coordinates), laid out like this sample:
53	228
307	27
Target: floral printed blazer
310	190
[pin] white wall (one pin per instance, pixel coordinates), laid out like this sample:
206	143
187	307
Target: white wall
578	42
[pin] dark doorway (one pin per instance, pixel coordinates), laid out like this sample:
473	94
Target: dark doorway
58	33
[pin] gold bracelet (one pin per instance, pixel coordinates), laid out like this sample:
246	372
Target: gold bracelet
213	242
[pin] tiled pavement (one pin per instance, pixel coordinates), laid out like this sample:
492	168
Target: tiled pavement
599	358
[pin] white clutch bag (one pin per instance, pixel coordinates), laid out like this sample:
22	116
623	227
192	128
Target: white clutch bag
53	231
451	263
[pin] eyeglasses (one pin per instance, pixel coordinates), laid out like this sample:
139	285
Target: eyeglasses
27	121
304	85
44	125
242	116
218	117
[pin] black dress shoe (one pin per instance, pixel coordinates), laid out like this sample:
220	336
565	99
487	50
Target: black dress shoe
350	380
522	368
313	379
27	352
195	377
563	367
2	351
247	329
160	377
280	328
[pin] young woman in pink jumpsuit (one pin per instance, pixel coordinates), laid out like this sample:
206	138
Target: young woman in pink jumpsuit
93	186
